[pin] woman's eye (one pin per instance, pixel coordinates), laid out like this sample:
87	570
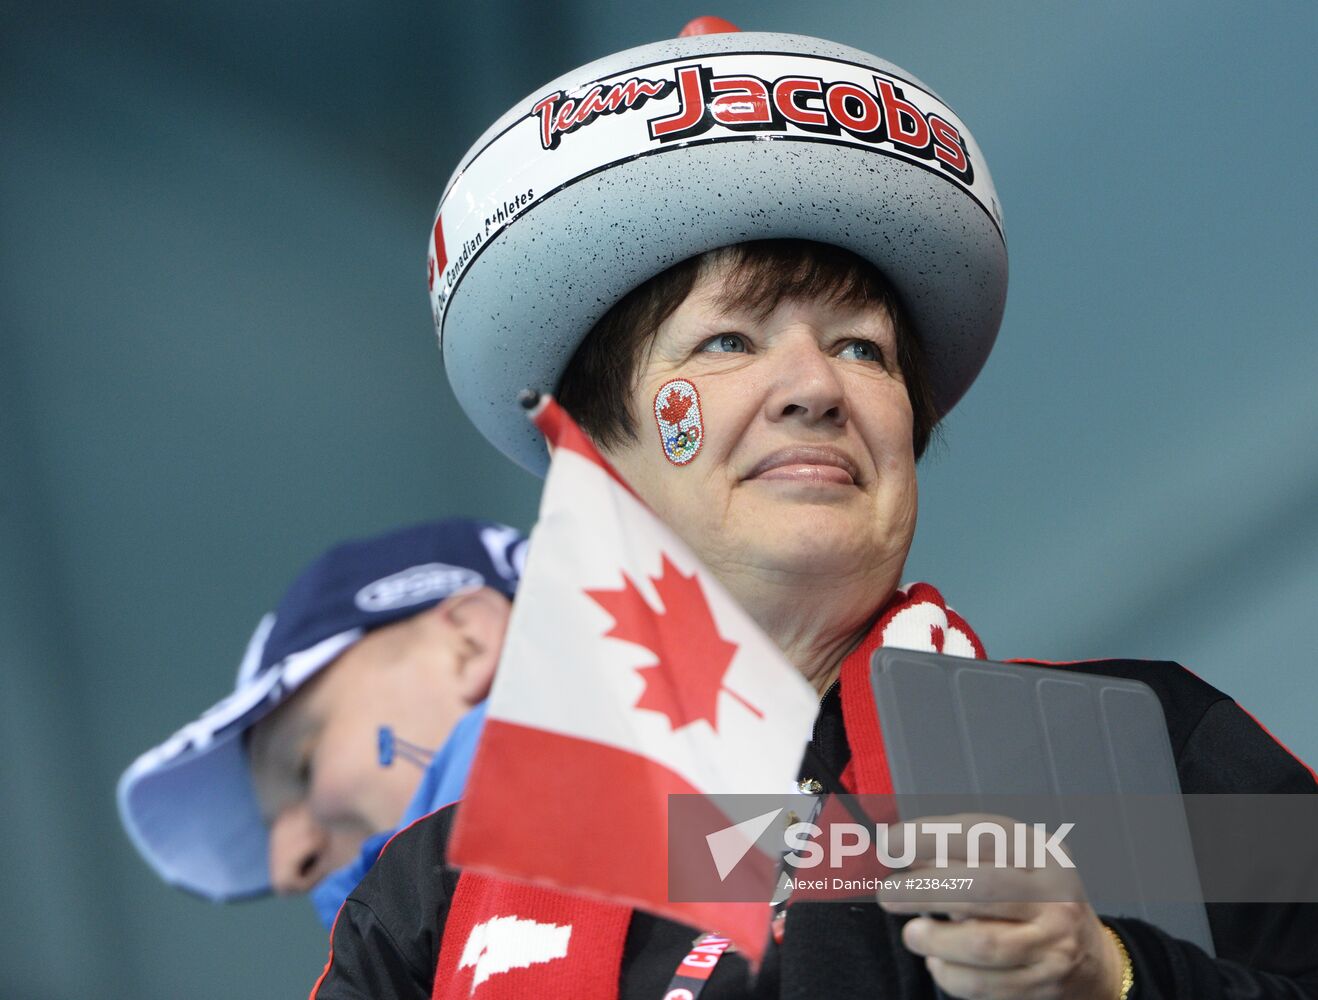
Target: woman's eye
304	772
725	343
861	350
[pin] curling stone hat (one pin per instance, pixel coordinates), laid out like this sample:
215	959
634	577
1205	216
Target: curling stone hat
605	177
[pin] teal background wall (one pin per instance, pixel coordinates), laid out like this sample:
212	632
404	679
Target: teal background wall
216	357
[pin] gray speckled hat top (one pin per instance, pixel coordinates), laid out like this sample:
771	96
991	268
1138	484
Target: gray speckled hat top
608	175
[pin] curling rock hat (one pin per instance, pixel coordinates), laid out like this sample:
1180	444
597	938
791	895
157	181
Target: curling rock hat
610	174
189	805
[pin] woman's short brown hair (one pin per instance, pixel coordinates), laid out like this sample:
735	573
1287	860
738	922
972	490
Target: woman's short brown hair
601	375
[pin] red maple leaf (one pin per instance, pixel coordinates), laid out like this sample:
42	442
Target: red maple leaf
675	407
692	659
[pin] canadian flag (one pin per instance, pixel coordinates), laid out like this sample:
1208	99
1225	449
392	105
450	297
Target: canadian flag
628	674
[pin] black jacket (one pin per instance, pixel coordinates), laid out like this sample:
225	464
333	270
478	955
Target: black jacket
386	940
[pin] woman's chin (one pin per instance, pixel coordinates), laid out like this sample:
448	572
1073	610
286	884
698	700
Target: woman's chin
811	543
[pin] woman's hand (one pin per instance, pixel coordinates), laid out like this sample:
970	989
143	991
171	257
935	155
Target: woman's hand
1018	933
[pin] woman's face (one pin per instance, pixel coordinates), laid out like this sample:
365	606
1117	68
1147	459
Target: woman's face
806	465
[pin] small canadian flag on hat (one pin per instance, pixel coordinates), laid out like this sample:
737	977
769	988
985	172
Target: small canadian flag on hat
628	674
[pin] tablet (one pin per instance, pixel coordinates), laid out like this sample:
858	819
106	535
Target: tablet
1059	743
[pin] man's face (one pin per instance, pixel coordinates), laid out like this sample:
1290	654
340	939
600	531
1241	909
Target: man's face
314	761
807	465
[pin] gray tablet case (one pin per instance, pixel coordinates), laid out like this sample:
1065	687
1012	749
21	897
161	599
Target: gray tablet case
982	731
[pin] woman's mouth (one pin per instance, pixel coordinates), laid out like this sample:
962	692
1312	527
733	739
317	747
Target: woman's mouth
806	464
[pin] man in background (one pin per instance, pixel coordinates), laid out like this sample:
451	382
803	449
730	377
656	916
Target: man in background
356	710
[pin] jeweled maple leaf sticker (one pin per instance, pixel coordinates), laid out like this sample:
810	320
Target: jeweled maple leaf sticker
692	659
675	407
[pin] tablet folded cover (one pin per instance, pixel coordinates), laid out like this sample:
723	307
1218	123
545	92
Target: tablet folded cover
957	727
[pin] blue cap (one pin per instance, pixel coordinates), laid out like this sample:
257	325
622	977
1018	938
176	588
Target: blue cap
189	804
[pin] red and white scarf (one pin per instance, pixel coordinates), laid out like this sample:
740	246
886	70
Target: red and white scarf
505	940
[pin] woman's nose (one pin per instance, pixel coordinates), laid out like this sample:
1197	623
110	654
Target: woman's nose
806	385
299	851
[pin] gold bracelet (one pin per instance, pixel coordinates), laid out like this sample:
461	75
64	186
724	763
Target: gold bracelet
1127	967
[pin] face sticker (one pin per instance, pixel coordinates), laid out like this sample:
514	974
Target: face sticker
677	412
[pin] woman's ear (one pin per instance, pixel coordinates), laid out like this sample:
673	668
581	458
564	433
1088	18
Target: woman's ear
481	618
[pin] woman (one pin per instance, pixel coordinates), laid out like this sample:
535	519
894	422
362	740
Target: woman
821	373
